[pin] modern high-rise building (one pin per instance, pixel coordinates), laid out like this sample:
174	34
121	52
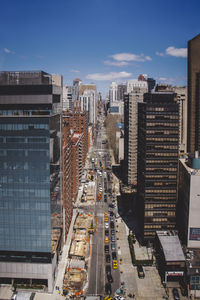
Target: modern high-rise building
30	179
76	84
193	139
88	99
113	92
182	100
131	133
135	83
67	98
158	142
121	90
188	205
151	84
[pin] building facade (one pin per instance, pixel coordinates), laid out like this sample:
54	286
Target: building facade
67	178
182	100
30	199
131	133
193	143
113	92
158	142
132	84
188	206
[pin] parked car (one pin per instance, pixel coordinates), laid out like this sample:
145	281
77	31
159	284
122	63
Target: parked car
110	278
112	225
111	213
112	238
106	232
175	294
112	232
108	288
114	264
108	258
114	255
140	271
108	269
106	249
113	247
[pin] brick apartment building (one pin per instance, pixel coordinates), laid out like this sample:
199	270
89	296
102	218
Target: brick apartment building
67	183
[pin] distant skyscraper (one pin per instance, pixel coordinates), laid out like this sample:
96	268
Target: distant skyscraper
67	98
194	94
76	83
151	84
30	199
158	142
182	100
88	98
131	133
113	92
188	206
131	84
121	90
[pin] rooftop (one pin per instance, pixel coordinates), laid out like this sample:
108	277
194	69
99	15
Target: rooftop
171	245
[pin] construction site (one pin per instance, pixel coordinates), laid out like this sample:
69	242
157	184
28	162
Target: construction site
76	276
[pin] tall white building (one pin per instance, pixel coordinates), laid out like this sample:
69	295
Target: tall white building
182	99
88	98
67	98
188	206
131	101
132	84
113	92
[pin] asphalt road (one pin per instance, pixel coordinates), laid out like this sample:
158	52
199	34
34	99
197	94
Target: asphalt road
97	274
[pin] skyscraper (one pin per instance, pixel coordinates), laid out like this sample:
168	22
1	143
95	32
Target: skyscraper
131	133
158	142
30	200
112	92
193	142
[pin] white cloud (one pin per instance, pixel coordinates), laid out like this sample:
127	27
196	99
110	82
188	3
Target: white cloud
159	53
130	57
177	52
162	79
109	76
6	50
115	63
74	71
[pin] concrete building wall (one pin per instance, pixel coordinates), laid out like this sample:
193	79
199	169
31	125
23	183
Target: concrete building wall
182	99
131	84
29	270
194	211
193	95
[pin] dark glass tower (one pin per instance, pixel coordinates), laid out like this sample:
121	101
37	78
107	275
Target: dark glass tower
30	174
193	143
158	140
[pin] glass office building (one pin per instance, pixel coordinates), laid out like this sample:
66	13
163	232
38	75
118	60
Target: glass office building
30	200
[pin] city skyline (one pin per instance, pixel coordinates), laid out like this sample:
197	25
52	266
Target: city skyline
99	41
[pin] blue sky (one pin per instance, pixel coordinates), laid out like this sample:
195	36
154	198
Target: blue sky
99	41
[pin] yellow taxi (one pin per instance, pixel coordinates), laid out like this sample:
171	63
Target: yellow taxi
114	264
105	214
106	239
106	219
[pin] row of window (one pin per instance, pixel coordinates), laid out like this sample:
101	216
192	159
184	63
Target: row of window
154	206
164	117
19	139
161	124
24	193
161	176
159	213
162	154
17	166
156	132
17	126
165	191
162	170
160	139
